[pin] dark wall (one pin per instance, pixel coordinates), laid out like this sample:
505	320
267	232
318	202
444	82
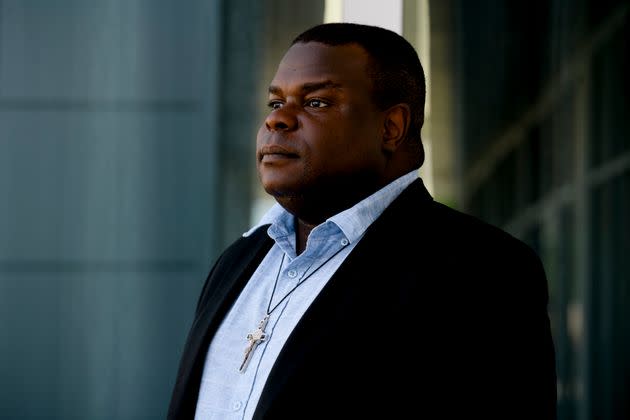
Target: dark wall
545	137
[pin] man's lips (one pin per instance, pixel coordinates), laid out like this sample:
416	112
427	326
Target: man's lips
275	153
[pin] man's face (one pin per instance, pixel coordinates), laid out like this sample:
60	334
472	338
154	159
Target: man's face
323	133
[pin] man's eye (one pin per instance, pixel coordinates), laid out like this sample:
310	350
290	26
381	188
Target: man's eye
274	104
316	103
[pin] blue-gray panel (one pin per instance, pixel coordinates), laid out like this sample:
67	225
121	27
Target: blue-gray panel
92	345
103	50
101	186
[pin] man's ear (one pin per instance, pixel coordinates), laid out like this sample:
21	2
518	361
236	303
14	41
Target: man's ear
395	126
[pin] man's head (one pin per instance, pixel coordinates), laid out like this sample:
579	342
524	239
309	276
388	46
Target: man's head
394	67
347	105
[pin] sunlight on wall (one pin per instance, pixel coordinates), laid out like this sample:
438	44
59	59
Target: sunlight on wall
333	11
387	14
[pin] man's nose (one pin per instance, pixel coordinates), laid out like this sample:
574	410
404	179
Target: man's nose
281	119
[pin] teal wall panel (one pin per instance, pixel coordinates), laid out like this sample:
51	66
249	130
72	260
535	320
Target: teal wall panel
104	50
109	167
89	344
128	179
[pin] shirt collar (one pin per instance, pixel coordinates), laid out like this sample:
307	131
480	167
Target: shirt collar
354	221
272	216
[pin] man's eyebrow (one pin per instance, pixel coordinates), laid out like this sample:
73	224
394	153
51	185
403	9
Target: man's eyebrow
308	87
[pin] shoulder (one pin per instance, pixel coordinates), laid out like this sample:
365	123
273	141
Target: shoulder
470	230
448	235
489	256
417	215
466	253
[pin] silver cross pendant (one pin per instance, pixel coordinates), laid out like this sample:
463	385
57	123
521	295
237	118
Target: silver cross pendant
254	339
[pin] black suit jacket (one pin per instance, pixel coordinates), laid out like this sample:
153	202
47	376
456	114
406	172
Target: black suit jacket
433	312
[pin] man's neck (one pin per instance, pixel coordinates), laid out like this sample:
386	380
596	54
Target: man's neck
302	230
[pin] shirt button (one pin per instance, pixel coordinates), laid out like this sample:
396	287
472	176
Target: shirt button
344	242
292	273
237	405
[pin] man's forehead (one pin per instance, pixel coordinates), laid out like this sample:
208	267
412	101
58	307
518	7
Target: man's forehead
316	63
315	53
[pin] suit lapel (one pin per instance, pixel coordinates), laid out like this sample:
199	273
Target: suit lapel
224	283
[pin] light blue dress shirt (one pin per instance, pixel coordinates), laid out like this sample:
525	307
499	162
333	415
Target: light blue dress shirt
226	393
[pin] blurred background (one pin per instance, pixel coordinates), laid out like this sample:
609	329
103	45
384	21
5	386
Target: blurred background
127	131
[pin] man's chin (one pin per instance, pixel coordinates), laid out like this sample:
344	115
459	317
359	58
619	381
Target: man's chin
284	187
292	204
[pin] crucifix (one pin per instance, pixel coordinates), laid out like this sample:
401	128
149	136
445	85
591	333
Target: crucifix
259	335
254	338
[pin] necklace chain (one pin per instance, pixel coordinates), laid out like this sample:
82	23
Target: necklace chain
259	335
275	284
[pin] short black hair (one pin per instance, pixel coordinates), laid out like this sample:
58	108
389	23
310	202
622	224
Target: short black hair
395	69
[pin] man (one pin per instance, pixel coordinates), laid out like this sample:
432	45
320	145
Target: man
358	295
